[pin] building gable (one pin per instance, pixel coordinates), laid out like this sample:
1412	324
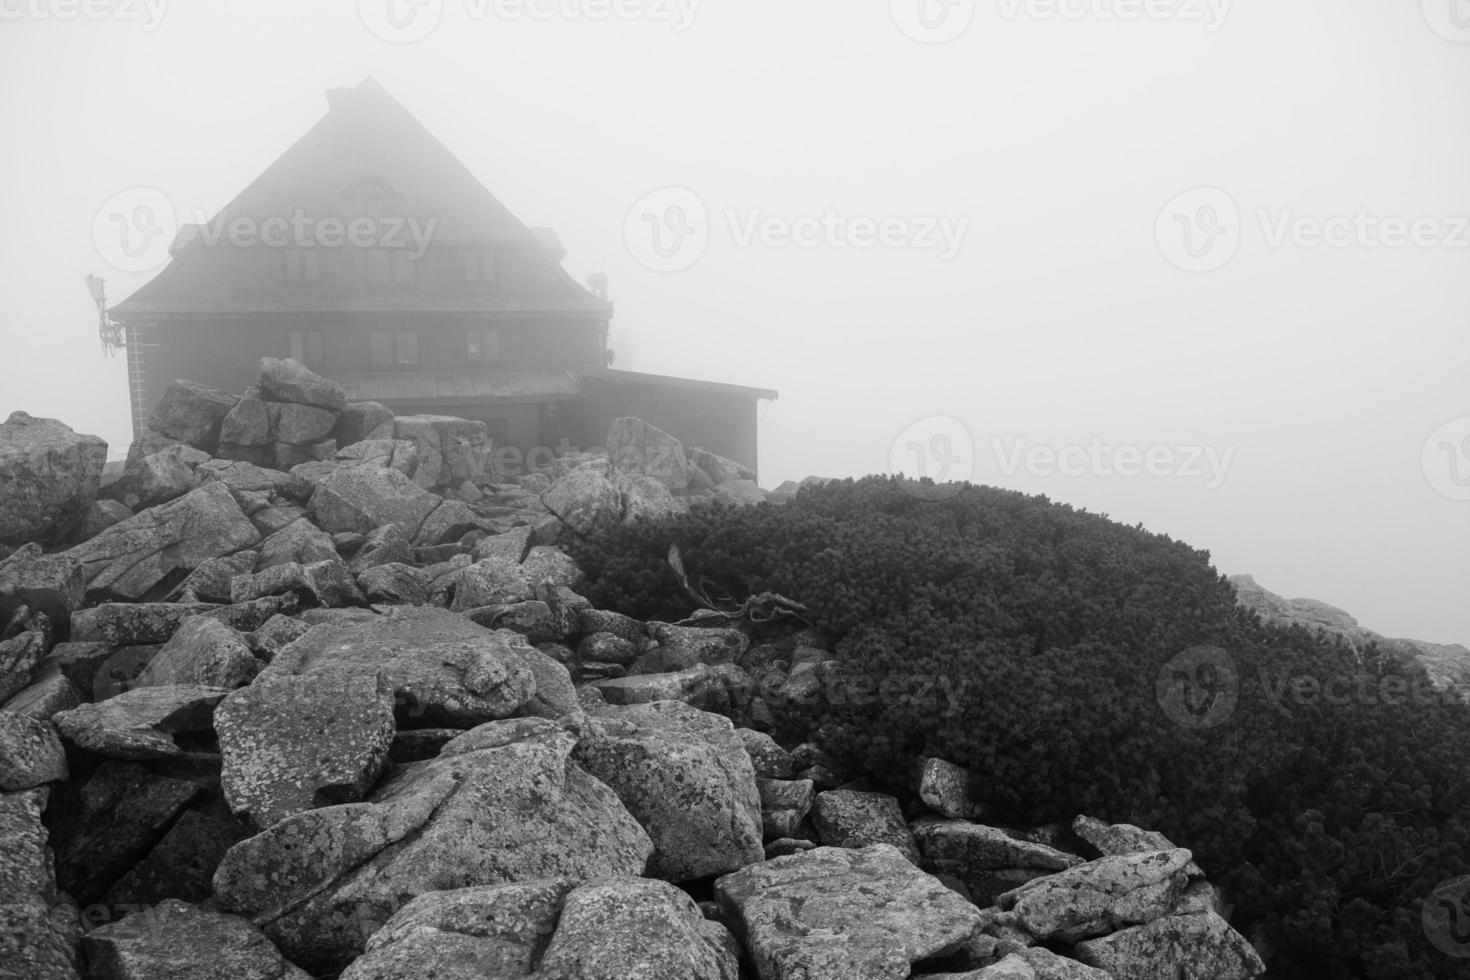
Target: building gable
367	158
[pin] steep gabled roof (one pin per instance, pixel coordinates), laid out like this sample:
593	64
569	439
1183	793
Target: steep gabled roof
367	155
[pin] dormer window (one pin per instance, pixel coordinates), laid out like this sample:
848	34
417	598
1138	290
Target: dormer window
483	347
306	346
479	265
394	348
391	265
303	265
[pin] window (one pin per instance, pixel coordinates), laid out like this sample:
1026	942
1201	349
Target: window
483	346
391	265
408	348
306	346
382	344
303	265
397	348
479	266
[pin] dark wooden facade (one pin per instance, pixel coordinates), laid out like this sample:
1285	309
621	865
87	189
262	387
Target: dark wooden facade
444	302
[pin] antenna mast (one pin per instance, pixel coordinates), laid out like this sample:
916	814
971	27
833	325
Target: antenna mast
115	336
108	330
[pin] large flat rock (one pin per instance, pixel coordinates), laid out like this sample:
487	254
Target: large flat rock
687	778
51	584
293	743
834	914
362	498
450	450
1101	896
850	818
443	669
1199	944
140	724
502	803
203	652
134	558
178	941
191	412
606	929
287	380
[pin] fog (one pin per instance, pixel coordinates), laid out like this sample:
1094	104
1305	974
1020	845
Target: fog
956	243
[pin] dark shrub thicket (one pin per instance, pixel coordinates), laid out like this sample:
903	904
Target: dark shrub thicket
1329	820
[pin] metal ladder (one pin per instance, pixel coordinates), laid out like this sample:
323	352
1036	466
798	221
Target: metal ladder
137	381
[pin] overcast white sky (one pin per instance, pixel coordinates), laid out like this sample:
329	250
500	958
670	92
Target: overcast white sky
1058	136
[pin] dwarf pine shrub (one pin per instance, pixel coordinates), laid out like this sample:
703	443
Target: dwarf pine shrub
1082	666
